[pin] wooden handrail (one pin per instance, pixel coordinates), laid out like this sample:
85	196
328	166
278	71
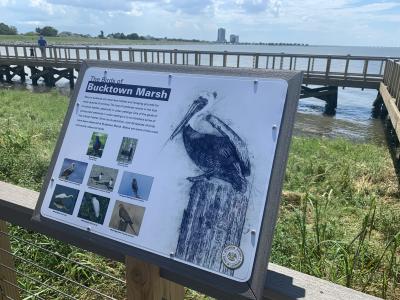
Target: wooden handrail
17	205
244	53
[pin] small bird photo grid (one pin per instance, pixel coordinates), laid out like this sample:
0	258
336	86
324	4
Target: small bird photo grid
73	170
97	144
127	217
64	199
127	150
102	178
93	208
135	185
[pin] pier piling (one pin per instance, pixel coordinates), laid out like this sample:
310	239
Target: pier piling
329	94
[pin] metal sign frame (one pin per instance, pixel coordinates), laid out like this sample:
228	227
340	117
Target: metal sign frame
184	274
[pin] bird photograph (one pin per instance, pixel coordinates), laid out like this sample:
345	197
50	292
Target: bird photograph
73	170
68	171
93	208
134	185
127	150
98	177
110	184
127	217
102	178
64	199
97	144
96	206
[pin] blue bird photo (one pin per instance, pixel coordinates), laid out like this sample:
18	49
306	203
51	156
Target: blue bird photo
135	185
73	170
97	144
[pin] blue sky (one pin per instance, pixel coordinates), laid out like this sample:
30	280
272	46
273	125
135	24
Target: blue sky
326	22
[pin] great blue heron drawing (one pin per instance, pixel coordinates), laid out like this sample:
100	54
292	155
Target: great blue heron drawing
218	198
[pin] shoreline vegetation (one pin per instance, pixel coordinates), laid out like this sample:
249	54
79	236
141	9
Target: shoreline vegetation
339	218
80	40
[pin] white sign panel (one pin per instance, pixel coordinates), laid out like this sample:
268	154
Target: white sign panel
175	164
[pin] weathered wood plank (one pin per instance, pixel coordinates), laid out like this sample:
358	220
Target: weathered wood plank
17	205
144	283
303	286
143	280
391	107
7	276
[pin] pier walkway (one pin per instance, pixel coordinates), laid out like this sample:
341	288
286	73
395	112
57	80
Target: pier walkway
327	71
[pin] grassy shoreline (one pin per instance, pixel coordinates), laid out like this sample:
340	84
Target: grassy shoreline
339	218
89	41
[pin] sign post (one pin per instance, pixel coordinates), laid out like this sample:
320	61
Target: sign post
179	166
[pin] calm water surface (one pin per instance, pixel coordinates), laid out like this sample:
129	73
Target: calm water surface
353	119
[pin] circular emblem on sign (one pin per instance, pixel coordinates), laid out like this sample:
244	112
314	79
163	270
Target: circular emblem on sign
232	257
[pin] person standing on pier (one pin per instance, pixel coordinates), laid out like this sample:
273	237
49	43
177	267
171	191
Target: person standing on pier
42	45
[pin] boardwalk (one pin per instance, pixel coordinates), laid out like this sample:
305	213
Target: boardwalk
388	100
328	71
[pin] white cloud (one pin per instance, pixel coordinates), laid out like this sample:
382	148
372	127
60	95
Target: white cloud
5	3
42	5
309	21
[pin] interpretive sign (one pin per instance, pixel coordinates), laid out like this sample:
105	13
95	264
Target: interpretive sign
177	162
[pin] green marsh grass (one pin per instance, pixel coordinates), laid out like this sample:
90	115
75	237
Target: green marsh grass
339	218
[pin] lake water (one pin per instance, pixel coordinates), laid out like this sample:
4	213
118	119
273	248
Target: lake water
353	118
353	115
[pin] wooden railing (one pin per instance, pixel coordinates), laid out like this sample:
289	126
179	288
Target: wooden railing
17	205
392	80
343	70
390	92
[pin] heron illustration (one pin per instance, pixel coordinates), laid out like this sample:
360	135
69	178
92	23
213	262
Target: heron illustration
219	152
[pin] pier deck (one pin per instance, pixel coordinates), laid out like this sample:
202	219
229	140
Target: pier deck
328	71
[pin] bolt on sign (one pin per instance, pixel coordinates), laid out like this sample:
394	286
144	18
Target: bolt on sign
181	166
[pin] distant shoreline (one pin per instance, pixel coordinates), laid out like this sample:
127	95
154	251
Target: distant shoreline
32	39
20	39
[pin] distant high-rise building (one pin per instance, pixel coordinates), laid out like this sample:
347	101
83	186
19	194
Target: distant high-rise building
221	35
234	39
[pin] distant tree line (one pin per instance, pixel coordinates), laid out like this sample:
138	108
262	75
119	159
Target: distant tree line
123	36
7	30
47	31
50	31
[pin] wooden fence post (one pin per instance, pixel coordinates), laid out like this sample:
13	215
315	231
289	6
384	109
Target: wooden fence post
8	278
144	282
